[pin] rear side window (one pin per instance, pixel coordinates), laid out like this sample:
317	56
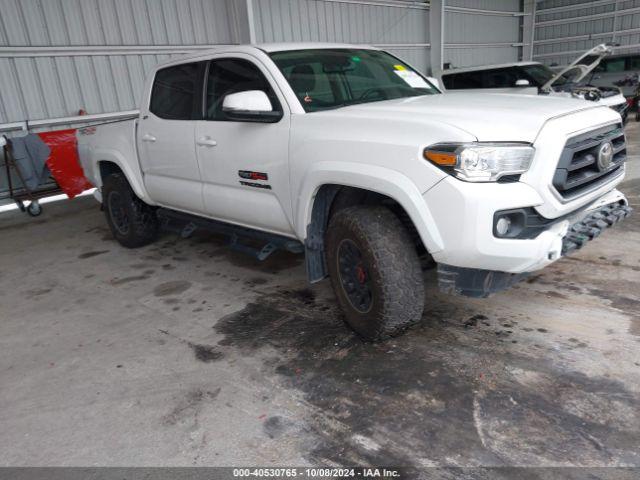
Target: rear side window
175	92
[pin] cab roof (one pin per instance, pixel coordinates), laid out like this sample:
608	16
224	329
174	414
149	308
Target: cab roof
283	47
268	48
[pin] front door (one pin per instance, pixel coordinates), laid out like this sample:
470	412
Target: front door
166	138
244	165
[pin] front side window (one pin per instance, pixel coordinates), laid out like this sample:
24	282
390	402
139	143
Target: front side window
175	92
501	78
463	81
233	75
331	78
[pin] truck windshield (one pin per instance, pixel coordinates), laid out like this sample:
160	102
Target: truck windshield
331	78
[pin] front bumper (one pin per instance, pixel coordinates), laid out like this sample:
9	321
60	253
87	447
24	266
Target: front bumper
464	214
481	283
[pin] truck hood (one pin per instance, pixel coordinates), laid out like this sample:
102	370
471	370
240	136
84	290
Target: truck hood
490	117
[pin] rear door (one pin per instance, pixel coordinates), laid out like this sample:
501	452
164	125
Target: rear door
166	138
245	165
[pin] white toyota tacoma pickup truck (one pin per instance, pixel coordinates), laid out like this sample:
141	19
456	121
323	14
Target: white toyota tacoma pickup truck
350	155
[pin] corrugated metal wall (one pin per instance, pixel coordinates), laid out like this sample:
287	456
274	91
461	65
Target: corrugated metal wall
60	56
481	32
77	68
401	27
566	28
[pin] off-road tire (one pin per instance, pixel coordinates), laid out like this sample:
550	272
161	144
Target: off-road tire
139	218
392	267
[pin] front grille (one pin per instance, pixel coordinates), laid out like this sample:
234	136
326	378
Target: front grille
622	109
578	170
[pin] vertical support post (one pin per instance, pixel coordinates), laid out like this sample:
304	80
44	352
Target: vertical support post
242	11
615	22
528	29
436	34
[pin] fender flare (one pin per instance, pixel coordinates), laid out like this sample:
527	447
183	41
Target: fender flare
378	179
133	176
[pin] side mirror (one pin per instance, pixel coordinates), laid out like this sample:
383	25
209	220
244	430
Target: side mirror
522	83
250	106
435	82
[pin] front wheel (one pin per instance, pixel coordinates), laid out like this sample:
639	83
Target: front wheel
132	222
375	271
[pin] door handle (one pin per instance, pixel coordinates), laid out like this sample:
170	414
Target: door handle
207	142
148	138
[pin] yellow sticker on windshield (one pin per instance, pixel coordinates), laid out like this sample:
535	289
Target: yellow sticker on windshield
399	67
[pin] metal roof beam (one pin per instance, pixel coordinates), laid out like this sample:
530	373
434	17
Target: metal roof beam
574	52
588	36
595	16
479	11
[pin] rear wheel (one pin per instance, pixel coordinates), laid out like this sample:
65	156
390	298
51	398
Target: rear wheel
375	271
132	222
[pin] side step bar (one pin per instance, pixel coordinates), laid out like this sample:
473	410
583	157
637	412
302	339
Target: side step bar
185	225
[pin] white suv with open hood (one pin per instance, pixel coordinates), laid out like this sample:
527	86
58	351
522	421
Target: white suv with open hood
533	78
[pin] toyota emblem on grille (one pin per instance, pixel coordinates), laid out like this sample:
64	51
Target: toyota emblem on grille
605	156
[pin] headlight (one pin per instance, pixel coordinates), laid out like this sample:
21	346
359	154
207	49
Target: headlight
481	162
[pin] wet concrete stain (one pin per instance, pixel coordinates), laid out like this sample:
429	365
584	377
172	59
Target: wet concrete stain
38	292
188	407
205	353
629	306
554	294
125	280
140	266
92	254
171	288
473	321
256	281
202	353
275	427
445	392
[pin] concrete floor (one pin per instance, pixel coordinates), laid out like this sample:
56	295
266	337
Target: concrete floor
184	353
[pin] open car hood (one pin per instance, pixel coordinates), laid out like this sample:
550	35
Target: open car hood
599	51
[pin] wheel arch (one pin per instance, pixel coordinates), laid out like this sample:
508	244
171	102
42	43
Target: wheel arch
388	188
108	162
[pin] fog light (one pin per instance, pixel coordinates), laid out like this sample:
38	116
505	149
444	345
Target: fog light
503	225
